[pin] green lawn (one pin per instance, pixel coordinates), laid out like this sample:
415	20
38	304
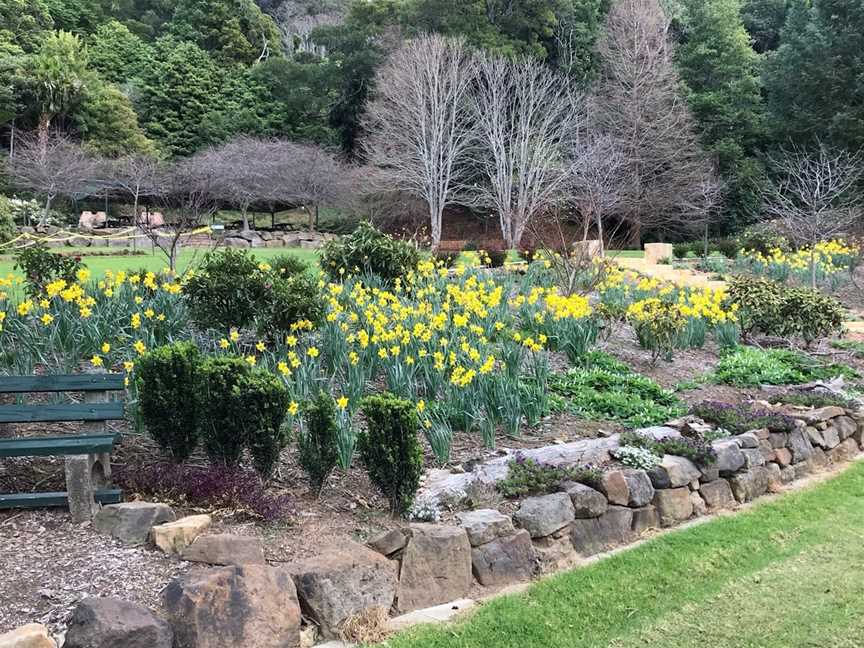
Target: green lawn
155	261
785	574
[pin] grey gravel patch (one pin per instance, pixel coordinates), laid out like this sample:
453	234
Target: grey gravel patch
49	563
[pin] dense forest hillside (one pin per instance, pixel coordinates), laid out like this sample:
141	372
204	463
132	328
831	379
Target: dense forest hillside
170	77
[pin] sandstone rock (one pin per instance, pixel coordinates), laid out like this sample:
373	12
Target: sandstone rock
174	537
506	560
783	457
485	525
822	414
748	440
749	485
778	439
555	552
818	459
436	566
614	486
775	483
659	478
845	451
32	635
673	505
130	522
336	585
709	473
846	426
717	495
388	542
799	446
680	470
729	457
593	535
830	437
91	220
645	518
803	469
225	549
787	475
814	436
234	607
639	487
587	502
542	516
699	506
111	622
752	458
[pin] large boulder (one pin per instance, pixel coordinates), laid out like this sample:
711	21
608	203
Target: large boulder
234	607
111	622
224	549
505	560
639	486
436	566
587	502
614	486
555	552
717	495
32	635
389	542
543	516
485	525
174	537
800	446
645	518
336	585
130	522
845	451
821	414
680	471
729	457
593	535
749	485
673	505
845	426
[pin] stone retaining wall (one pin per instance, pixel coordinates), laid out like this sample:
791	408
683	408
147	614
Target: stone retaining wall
425	565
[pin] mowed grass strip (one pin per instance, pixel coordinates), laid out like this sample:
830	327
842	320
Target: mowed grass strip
786	573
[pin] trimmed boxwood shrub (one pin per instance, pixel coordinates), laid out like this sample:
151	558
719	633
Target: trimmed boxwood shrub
318	443
239	408
390	449
166	379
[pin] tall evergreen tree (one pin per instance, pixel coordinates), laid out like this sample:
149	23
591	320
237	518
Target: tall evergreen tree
118	54
177	93
815	82
721	72
764	20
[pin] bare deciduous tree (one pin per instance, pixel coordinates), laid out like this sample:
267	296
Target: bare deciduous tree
136	176
189	192
311	177
419	122
51	168
817	197
243	172
298	19
597	182
525	115
641	107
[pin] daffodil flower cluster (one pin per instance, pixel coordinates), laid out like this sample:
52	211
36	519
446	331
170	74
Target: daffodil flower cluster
828	261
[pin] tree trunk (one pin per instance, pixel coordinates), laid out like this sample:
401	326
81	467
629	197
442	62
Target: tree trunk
600	234
311	218
42	132
813	266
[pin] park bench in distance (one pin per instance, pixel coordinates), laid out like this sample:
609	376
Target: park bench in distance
87	456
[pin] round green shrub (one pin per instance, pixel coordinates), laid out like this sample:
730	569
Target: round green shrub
369	251
226	290
7	220
289	300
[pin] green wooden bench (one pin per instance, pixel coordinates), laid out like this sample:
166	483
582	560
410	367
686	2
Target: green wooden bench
87	456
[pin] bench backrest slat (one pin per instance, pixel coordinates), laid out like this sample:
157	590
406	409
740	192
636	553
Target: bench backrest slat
71	383
56	413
